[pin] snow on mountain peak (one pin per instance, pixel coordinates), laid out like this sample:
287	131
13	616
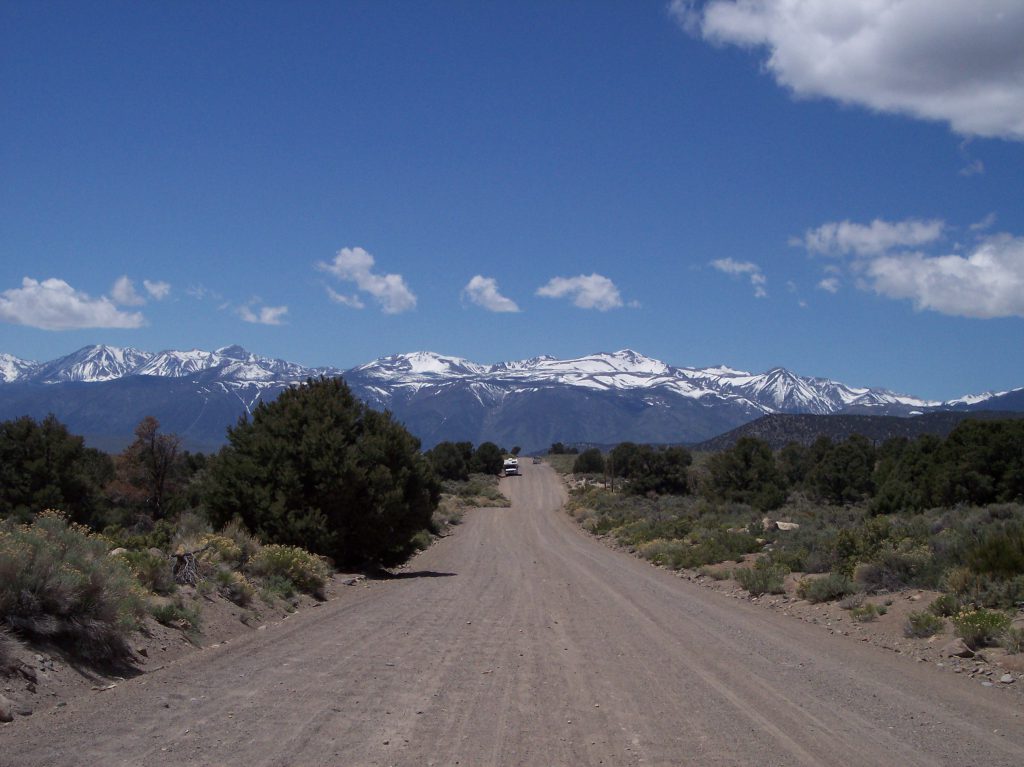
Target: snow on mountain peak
93	363
14	368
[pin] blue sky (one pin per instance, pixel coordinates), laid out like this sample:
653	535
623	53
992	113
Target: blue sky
831	186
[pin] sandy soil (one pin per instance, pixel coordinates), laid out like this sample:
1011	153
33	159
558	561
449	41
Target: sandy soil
519	640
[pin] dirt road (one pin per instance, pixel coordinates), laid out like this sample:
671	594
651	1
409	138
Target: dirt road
520	641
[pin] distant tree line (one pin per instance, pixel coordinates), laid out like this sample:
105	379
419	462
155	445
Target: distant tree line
979	463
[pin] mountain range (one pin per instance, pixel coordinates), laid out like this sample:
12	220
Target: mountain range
102	392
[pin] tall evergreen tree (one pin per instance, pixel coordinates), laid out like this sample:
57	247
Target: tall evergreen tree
317	468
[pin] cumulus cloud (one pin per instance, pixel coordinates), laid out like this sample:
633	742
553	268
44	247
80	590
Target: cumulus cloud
54	305
592	291
956	61
987	283
483	291
157	290
840	238
388	290
124	293
266	315
740	268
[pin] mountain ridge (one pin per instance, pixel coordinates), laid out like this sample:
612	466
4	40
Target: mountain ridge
601	397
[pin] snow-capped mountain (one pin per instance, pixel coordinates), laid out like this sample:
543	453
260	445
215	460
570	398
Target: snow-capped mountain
13	368
91	363
603	398
777	390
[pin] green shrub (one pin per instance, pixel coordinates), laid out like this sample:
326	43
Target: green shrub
57	583
1012	640
234	587
923	624
945	605
979	628
868	612
895	567
176	614
763	578
715	575
825	589
307	571
664	552
247	543
422	540
277	587
219	549
153	571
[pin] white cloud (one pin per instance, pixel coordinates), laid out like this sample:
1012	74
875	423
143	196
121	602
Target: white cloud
974	168
356	265
587	291
268	315
987	283
157	290
986	223
829	284
123	292
740	268
840	238
483	291
338	298
956	61
54	305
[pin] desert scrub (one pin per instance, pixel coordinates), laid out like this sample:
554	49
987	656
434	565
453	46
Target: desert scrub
308	572
154	571
713	574
478	490
826	588
8	645
979	628
664	552
276	587
247	543
868	612
422	540
923	624
234	587
1012	640
945	605
763	578
57	583
851	602
176	614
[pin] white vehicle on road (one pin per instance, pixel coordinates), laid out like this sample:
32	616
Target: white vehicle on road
511	467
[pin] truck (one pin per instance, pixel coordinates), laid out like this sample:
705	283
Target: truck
511	467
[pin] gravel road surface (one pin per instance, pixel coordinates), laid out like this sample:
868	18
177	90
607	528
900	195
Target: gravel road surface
521	641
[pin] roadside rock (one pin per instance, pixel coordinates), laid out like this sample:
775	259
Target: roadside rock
956	649
8	708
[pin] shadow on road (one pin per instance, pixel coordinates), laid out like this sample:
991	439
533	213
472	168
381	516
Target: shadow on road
385	576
